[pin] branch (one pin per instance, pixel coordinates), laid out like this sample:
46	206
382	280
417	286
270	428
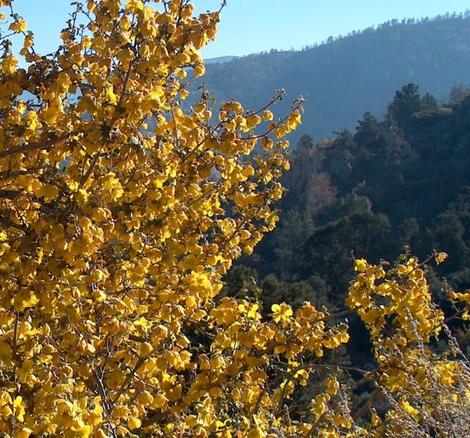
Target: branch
6	174
129	377
365	408
42	145
9	194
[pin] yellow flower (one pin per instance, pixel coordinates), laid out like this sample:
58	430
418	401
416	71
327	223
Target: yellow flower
440	257
134	423
9	64
360	265
18	408
19	26
134	5
281	312
54	110
256	432
23	433
410	409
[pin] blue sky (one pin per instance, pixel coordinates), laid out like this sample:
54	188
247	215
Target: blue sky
250	26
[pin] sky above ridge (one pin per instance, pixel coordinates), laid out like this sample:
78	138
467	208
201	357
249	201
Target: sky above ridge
251	26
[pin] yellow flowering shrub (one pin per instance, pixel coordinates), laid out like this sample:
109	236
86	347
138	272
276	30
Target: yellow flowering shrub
426	390
121	208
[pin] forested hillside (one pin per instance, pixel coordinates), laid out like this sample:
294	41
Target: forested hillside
390	186
344	77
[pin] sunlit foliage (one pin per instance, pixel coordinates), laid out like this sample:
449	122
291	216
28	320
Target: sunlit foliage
121	208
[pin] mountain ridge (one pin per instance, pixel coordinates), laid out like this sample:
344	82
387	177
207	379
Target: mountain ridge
344	77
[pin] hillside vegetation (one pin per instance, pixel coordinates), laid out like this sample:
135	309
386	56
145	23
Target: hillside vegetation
390	186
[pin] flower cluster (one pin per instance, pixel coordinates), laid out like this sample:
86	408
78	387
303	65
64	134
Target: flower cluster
119	213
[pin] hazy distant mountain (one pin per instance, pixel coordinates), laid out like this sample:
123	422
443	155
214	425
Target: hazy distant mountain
344	77
220	59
